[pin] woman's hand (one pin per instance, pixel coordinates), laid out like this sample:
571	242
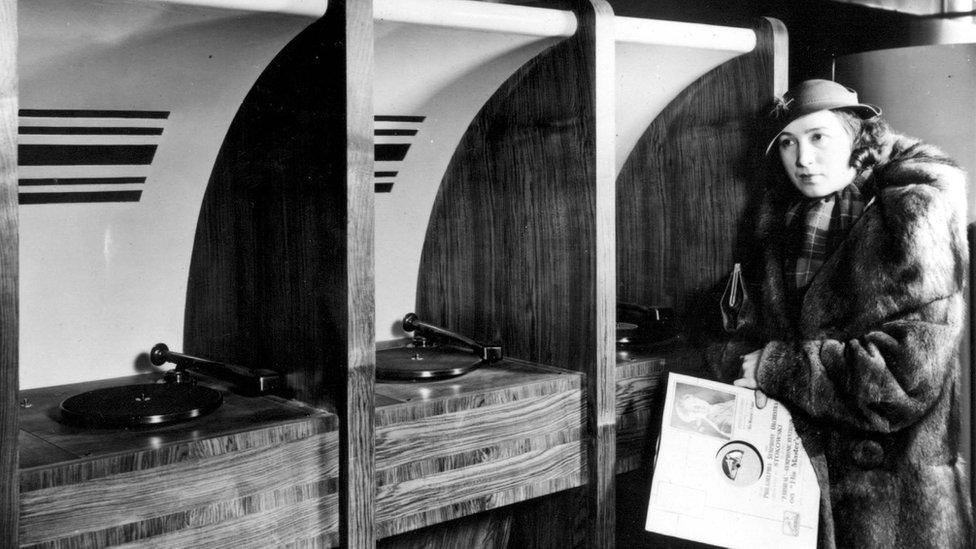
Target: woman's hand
750	363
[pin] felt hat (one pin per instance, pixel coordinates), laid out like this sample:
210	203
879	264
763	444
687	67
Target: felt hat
815	95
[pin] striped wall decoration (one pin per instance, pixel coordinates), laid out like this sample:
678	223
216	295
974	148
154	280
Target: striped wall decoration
392	137
80	156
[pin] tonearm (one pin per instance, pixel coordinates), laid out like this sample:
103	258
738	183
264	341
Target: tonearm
488	353
257	381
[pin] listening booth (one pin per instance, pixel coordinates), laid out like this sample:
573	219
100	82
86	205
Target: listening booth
340	273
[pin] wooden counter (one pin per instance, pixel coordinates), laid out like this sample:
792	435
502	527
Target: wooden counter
264	471
257	471
496	436
641	385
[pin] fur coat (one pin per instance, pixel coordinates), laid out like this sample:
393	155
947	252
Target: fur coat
869	369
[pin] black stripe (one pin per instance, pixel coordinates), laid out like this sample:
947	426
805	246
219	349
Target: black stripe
86	130
394	132
79	198
80	181
384	152
78	113
384	187
384	174
85	155
398	118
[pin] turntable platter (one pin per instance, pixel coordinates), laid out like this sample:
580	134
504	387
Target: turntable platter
425	363
144	404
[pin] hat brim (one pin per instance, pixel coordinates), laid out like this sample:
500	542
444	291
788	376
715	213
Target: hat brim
864	111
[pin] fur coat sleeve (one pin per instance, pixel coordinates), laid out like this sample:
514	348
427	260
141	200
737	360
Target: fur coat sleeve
874	345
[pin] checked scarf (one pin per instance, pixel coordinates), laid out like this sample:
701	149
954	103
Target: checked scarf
817	226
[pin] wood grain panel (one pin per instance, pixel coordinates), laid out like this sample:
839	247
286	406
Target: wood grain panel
300	513
519	247
641	386
282	268
436	498
270	273
447	449
310	522
449	434
8	274
510	253
450	459
596	33
638	380
498	435
507	381
640	399
484	531
684	199
249	460
9	333
83	466
146	502
356	400
683	193
560	521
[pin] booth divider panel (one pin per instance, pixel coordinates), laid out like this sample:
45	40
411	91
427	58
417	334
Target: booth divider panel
683	202
507	254
519	247
9	495
683	194
433	73
268	273
281	274
357	398
600	49
510	249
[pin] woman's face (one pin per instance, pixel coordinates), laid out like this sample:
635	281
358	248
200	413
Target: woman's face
816	154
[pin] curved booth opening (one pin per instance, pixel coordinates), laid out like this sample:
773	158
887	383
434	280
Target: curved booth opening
124	106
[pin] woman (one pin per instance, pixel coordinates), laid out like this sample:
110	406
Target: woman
858	312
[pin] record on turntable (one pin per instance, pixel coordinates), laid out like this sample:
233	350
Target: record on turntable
141	404
641	327
434	353
177	397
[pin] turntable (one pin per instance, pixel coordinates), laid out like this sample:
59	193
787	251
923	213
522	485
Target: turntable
141	404
433	353
646	328
176	397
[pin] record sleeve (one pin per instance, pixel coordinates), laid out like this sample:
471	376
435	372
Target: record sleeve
728	473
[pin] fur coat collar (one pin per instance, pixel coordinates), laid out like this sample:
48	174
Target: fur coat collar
908	176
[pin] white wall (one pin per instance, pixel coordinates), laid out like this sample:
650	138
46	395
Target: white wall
101	282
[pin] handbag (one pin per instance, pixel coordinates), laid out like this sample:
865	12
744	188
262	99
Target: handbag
738	309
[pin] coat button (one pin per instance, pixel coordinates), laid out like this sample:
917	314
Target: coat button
868	454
